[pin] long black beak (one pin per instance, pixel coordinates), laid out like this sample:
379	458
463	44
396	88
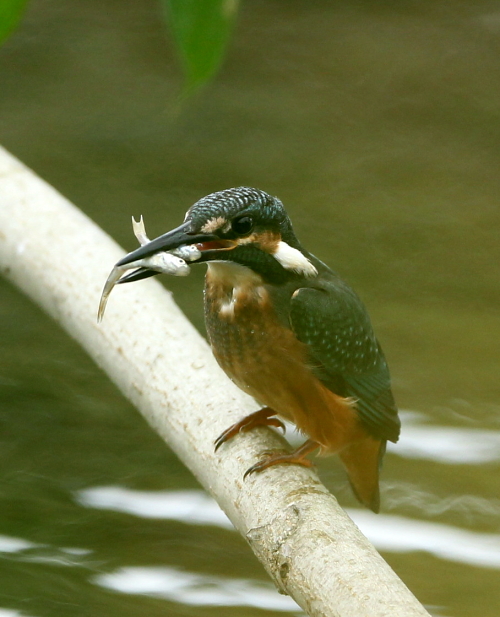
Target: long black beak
179	236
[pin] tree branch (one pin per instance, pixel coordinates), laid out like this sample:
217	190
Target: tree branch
306	542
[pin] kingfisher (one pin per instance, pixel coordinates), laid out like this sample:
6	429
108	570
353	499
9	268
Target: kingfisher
290	333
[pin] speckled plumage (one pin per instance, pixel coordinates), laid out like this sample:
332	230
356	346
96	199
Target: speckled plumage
228	203
333	322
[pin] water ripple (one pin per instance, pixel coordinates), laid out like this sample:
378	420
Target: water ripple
196	589
191	506
400	534
387	532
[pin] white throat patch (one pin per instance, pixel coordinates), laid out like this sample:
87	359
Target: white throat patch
292	259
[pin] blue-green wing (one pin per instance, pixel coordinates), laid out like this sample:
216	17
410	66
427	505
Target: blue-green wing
344	353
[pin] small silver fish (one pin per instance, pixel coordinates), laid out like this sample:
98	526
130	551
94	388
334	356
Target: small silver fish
188	252
173	263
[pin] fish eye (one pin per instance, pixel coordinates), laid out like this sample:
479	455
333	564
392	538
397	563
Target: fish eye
242	225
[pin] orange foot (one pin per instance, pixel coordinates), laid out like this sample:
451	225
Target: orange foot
297	457
258	418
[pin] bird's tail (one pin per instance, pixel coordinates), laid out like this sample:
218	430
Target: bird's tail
362	461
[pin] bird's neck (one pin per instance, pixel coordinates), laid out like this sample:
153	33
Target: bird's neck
229	275
231	289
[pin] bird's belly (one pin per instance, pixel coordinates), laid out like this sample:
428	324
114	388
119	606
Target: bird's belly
265	359
259	356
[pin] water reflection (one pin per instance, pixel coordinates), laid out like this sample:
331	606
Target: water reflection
168	583
400	534
446	444
193	507
470	509
387	532
27	551
196	589
14	545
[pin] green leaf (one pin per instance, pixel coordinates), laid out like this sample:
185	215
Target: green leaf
201	29
10	15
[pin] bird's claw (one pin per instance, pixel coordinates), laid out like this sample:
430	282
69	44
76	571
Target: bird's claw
223	437
277	423
279	458
260	466
263	417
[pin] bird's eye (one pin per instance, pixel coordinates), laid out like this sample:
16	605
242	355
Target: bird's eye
242	225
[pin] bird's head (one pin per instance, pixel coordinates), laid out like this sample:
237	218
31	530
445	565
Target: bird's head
242	225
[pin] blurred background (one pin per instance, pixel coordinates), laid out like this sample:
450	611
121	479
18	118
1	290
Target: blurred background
378	126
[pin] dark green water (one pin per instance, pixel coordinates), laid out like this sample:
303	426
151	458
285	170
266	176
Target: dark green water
378	125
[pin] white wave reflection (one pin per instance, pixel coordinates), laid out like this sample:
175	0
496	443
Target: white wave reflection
194	507
399	534
449	445
42	553
386	532
196	589
7	612
14	545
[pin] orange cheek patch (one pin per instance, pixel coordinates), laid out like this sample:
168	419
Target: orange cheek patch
267	241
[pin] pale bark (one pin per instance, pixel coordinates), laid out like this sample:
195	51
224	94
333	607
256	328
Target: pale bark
306	542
